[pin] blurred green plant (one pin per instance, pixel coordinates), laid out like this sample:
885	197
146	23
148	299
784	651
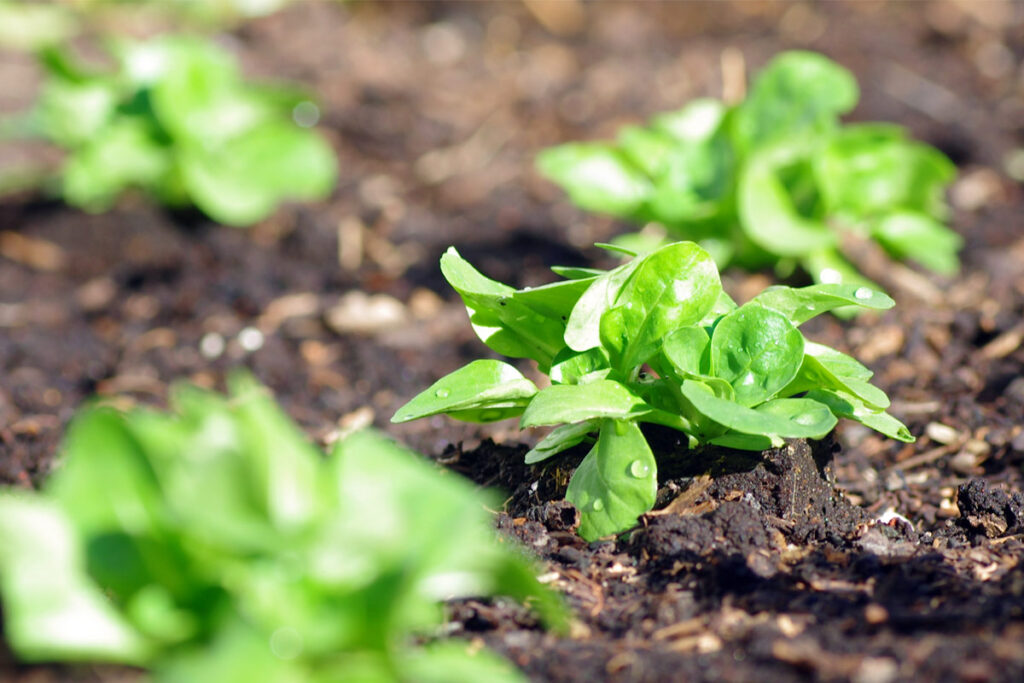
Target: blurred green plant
216	544
176	120
774	180
655	340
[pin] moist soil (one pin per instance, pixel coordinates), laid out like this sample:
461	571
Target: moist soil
856	558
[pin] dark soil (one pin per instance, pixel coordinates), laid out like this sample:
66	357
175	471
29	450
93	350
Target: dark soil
857	559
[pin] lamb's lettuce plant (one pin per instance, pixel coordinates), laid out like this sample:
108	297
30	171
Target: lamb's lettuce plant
655	340
217	544
176	120
773	180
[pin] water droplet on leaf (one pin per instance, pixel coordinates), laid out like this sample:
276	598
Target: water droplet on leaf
830	276
598	505
863	293
639	469
441	393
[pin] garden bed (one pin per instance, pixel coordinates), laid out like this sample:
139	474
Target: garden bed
860	558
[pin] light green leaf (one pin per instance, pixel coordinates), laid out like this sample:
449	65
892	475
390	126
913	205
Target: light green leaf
757	350
767	213
803	303
784	417
918	237
493	389
52	610
670	288
502	320
579	367
563	403
561	438
583	329
243	180
797	92
815	374
596	176
616	483
849	406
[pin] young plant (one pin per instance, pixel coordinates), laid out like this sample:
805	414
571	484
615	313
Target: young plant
217	544
176	120
775	179
655	340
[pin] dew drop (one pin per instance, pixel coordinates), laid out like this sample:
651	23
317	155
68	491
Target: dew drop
830	276
863	293
441	393
639	469
598	505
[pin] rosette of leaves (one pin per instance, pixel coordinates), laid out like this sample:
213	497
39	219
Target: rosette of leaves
176	120
217	544
776	179
655	340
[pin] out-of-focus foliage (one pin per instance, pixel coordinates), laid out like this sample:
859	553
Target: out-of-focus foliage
775	179
216	544
27	25
176	120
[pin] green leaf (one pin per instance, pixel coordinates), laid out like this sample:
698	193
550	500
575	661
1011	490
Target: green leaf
562	403
616	483
797	92
52	610
768	215
868	170
491	389
688	350
784	417
828	266
816	372
503	321
837	362
803	303
241	181
123	154
918	237
757	350
670	288
597	177
583	329
579	367
849	406
561	438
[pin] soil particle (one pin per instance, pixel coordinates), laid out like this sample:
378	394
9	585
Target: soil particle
990	511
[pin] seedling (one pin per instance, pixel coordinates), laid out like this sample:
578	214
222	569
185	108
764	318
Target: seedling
655	340
218	545
176	120
774	180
